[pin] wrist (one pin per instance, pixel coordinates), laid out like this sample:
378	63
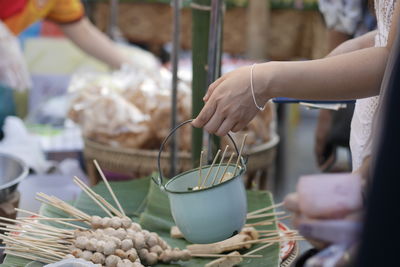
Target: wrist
265	76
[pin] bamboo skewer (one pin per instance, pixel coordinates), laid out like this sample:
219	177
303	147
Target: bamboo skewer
219	166
268	222
265	215
62	205
4	237
42	226
30	257
200	169
226	168
224	255
45	227
49	219
93	198
240	153
258	249
40	217
33	231
49	254
109	187
100	198
24	231
265	209
210	168
276	231
265	240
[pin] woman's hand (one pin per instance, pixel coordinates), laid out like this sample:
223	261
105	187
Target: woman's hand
324	197
229	102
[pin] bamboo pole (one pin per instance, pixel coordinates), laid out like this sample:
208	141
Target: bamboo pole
200	30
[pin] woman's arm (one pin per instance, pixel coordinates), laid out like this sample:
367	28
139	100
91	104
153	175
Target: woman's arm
364	41
95	43
229	103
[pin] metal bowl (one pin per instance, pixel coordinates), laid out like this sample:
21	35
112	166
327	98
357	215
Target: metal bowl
12	171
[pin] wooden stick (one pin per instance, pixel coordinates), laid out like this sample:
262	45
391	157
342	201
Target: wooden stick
46	227
200	169
39	250
265	240
265	209
263	223
101	199
39	225
4	237
271	234
35	252
226	168
219	166
53	242
258	249
62	205
265	215
29	257
93	198
33	231
268	222
108	187
60	222
31	251
224	255
240	153
49	219
210	168
20	230
277	230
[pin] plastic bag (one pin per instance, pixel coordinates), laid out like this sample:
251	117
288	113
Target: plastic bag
73	263
19	143
129	107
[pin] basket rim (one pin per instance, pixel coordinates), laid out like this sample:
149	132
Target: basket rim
274	140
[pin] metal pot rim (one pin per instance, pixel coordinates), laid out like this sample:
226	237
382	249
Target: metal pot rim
22	175
242	170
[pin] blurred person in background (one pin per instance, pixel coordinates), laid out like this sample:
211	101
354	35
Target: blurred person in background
344	20
69	15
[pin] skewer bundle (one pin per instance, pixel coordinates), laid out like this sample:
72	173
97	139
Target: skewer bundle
225	175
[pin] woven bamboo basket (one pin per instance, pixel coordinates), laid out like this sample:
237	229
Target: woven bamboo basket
291	33
138	162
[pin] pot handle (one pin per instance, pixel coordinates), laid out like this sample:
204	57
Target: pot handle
159	182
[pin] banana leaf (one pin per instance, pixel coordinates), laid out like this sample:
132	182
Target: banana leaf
143	201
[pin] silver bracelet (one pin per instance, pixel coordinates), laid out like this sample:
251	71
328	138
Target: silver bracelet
252	88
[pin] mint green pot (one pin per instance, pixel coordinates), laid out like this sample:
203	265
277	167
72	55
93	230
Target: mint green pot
208	215
213	213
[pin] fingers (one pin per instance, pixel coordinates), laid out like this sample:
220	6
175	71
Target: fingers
212	87
205	115
214	123
225	127
238	126
291	202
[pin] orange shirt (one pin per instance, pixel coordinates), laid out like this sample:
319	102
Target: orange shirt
20	14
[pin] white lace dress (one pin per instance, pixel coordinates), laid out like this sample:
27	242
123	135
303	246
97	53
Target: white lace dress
361	124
